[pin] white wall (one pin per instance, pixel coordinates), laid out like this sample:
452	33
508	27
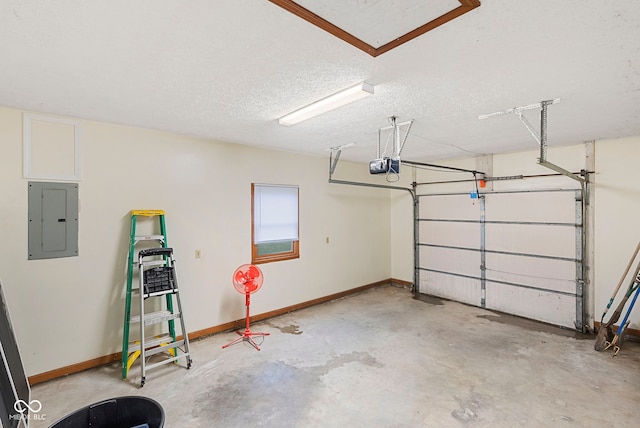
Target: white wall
70	310
617	212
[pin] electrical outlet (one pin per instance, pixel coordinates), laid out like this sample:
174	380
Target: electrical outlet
198	254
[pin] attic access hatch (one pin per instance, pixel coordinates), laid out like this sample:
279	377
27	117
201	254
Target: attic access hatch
376	27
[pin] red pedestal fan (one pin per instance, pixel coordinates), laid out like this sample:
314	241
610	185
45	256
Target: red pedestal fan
247	279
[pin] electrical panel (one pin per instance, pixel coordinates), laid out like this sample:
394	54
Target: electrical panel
53	220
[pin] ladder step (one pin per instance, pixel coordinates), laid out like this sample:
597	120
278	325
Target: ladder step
160	293
166	361
152	263
136	291
156	345
156	317
163	348
149	238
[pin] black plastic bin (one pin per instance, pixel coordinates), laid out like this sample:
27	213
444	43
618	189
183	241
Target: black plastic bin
120	412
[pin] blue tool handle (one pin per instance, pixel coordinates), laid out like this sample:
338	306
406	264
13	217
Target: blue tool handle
626	316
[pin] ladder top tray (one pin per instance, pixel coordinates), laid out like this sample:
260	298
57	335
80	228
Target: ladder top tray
147	212
163	251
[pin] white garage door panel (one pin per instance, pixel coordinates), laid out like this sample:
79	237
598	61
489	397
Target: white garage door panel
534	206
448	260
529	242
452	234
552	308
442	207
456	288
555	241
541	273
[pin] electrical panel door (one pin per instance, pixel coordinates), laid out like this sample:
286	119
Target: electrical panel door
53	220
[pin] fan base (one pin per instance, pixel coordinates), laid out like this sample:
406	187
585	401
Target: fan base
246	336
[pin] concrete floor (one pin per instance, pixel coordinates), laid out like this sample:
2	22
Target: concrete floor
381	359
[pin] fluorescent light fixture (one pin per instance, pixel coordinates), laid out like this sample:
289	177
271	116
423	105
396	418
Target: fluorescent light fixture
329	103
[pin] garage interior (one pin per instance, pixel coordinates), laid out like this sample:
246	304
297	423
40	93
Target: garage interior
460	230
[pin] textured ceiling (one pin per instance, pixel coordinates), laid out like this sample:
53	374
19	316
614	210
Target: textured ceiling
226	70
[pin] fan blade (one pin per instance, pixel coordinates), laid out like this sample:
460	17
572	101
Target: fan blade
253	272
240	277
250	286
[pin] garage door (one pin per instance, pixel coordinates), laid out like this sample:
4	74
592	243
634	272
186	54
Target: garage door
518	252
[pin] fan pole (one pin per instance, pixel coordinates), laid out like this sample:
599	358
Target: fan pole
248	334
247	300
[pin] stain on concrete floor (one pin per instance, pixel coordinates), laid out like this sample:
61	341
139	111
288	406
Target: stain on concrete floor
533	325
426	298
515	320
289	329
469	409
255	396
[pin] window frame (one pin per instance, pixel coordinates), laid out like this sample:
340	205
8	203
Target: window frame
274	257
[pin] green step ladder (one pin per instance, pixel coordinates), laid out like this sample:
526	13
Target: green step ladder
157	278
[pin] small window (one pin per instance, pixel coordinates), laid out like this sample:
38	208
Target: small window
274	226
